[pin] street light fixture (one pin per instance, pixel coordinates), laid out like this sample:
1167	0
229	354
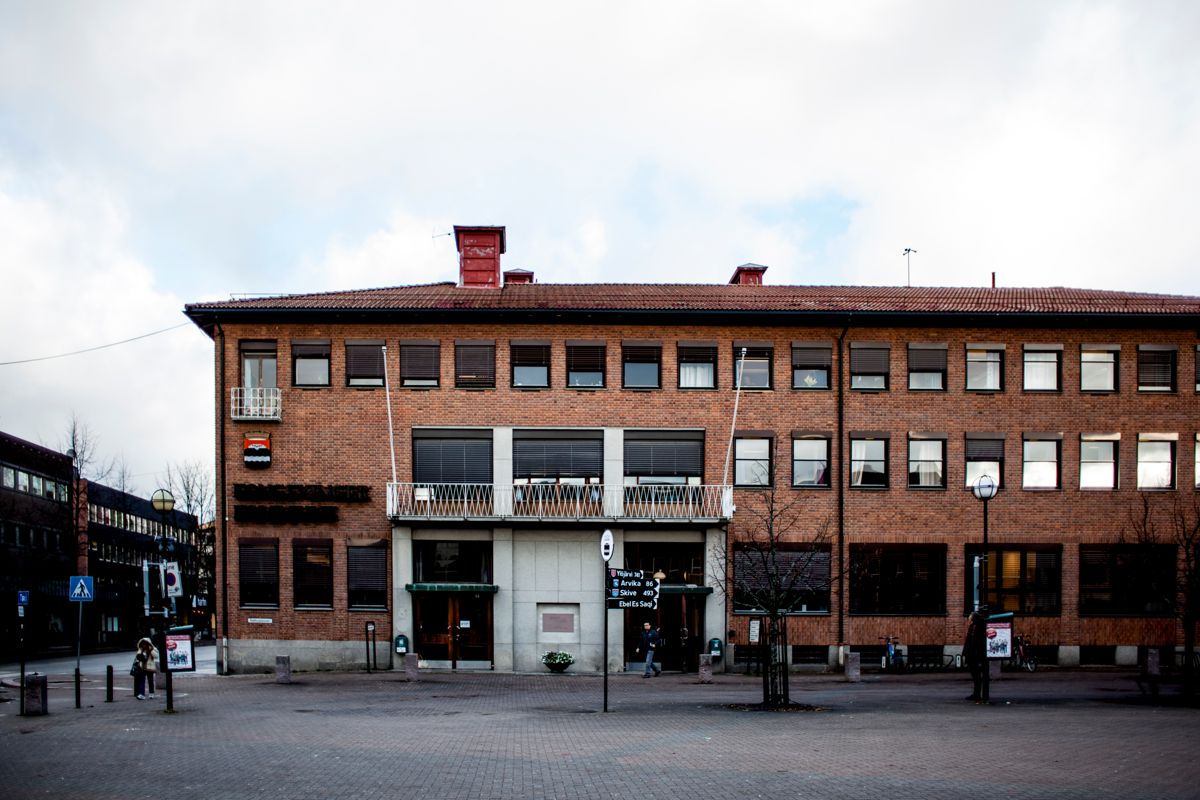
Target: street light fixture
164	503
984	489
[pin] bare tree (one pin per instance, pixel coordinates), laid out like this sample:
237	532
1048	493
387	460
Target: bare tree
781	559
192	484
79	438
1176	525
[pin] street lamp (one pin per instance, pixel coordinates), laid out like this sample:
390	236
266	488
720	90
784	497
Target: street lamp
164	503
984	489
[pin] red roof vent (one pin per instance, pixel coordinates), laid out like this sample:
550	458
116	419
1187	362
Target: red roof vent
748	275
479	250
517	276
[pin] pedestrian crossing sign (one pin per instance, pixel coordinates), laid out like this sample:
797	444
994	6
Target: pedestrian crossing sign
81	589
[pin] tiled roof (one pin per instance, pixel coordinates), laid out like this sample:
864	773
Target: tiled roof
724	297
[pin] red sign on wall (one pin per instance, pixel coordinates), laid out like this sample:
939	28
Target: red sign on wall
256	450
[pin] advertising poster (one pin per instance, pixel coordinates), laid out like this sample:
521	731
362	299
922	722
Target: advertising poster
999	639
180	655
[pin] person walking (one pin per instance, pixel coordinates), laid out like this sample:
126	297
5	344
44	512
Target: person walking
650	640
147	655
973	645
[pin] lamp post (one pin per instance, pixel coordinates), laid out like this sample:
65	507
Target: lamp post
164	503
984	489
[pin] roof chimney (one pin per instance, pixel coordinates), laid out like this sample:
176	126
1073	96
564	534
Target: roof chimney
479	250
517	276
748	275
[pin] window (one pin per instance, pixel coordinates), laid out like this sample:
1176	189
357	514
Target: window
810	461
985	456
869	367
641	366
258	572
1156	461
420	363
985	368
1042	369
452	562
364	363
654	458
530	365
1127	580
312	573
697	366
868	463
1156	368
310	363
1098	461
557	469
754	368
1098	368
1198	368
1196	471
585	366
791	577
811	365
9	477
927	368
1023	580
1039	464
474	365
448	457
366	576
926	463
897	579
752	461
258	364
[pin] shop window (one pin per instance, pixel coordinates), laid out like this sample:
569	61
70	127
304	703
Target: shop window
475	365
585	366
926	368
1132	580
530	365
420	364
366	576
897	579
258	573
811	367
1023	580
310	363
1098	461
364	364
452	561
791	577
697	367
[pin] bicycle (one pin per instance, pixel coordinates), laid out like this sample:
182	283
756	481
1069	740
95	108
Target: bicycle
1022	658
893	658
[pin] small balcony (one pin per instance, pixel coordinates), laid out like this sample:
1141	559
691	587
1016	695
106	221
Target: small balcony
535	502
260	405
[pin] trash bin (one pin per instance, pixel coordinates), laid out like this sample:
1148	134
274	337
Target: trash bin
714	648
35	695
401	644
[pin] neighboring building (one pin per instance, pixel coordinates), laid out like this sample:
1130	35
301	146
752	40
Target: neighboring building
526	418
114	532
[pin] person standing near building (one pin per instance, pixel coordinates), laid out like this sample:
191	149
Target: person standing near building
650	640
973	644
148	658
141	657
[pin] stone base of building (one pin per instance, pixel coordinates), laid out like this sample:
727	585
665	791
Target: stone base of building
258	655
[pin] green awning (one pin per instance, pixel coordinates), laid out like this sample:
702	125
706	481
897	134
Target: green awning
675	588
473	588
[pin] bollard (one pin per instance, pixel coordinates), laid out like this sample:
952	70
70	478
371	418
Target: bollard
705	668
410	666
36	700
283	669
993	669
108	684
77	679
853	667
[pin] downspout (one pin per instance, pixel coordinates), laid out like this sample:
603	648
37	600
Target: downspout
841	494
222	520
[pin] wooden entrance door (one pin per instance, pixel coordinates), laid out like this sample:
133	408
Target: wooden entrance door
454	627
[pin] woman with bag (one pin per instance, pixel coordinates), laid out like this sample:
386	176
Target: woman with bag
138	670
151	662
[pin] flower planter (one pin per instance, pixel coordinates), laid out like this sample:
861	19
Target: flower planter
557	667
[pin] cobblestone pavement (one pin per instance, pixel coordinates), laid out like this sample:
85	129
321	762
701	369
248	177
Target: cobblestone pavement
1058	734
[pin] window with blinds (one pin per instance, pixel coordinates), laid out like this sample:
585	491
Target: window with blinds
364	364
793	578
475	366
420	364
312	573
530	365
310	363
437	460
366	576
869	368
641	366
754	369
1156	370
558	458
898	579
697	367
926	369
1134	580
258	574
1022	580
984	457
585	366
811	367
649	461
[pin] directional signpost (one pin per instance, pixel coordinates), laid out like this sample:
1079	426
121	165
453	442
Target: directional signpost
627	588
80	590
22	601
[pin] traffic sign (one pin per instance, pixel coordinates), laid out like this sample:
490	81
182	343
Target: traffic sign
22	597
606	546
80	590
172	580
631	589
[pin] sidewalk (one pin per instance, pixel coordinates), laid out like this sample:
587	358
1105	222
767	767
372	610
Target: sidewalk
331	735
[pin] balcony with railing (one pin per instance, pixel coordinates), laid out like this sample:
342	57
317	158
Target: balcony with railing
534	502
264	405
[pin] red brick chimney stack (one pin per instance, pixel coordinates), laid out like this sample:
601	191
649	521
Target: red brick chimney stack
748	275
479	250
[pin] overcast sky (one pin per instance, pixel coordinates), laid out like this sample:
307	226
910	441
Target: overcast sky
154	154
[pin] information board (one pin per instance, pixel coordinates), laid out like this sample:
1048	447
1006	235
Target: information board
631	589
181	656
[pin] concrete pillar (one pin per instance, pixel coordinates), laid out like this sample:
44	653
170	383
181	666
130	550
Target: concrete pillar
853	668
1068	655
502	602
502	470
411	671
706	668
283	669
614	472
402	575
714	604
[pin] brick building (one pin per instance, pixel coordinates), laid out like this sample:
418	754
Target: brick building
441	459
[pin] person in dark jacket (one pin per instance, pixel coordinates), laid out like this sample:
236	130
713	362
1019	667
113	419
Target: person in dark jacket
973	645
650	640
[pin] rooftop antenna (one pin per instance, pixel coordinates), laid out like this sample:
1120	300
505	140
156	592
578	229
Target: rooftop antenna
908	251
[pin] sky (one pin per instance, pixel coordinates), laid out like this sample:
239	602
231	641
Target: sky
155	154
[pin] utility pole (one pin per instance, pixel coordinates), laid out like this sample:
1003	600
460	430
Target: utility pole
908	251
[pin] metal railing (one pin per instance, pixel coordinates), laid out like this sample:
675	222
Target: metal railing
262	404
558	501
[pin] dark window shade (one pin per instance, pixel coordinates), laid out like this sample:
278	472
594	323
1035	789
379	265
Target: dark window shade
812	357
897	579
638	354
585	358
927	360
697	355
752	353
794	578
364	361
1156	368
664	459
530	355
870	360
310	351
475	365
558	458
420	362
452	460
985	449
258	571
312	572
366	576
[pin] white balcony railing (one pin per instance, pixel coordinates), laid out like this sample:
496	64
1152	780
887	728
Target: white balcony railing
255	404
564	502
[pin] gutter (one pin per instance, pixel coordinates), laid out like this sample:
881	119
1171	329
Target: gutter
841	491
222	510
